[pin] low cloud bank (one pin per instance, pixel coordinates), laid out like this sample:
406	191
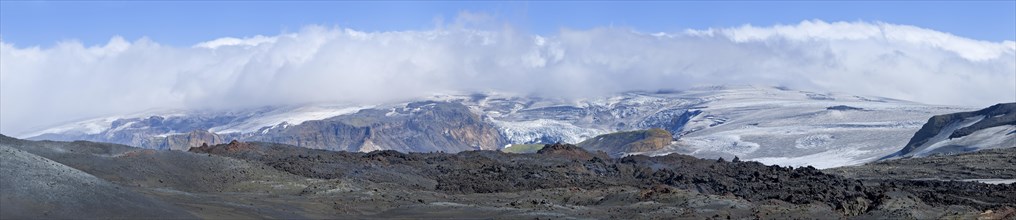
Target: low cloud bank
43	86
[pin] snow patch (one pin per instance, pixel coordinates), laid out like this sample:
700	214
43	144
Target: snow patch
827	159
992	181
286	117
945	133
731	144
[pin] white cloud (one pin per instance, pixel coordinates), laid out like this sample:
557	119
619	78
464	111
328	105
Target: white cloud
858	31
232	41
42	86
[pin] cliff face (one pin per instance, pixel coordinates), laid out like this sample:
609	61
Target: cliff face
328	135
435	127
192	139
418	127
621	143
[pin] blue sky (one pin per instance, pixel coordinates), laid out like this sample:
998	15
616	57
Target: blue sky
183	23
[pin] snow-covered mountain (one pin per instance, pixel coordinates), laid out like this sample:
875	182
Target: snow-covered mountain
772	125
157	129
989	128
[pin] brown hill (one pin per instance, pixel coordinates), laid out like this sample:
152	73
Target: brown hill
623	143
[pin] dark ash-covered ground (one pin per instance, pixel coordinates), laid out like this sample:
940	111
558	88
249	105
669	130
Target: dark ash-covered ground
984	164
239	180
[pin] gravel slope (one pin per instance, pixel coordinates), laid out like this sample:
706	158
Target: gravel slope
36	187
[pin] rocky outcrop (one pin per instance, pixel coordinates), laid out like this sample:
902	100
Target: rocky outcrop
627	142
844	108
233	147
933	137
570	151
996	115
418	127
319	134
192	139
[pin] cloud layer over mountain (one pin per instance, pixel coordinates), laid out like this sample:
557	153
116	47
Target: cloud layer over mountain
42	86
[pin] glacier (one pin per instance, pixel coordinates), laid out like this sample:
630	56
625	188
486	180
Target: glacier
773	125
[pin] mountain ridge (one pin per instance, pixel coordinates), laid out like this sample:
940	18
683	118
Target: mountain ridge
774	125
946	133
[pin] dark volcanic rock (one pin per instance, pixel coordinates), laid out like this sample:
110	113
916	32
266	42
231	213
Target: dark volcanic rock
843	108
562	166
243	180
569	151
985	164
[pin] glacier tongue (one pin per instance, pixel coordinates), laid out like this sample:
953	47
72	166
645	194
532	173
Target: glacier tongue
543	131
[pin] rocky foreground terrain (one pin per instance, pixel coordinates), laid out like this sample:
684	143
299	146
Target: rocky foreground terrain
985	165
251	179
